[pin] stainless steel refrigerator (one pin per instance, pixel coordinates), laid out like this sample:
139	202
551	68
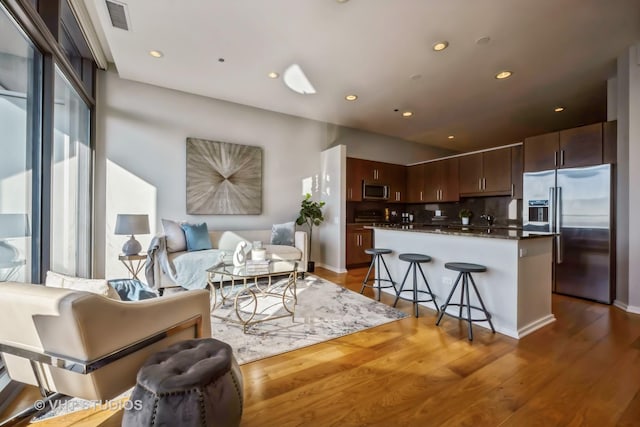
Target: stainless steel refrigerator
577	204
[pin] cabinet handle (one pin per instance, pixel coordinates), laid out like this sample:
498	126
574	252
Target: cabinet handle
561	157
420	195
555	158
484	183
513	190
479	183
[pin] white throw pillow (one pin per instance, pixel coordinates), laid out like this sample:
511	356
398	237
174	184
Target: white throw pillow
96	286
175	238
229	242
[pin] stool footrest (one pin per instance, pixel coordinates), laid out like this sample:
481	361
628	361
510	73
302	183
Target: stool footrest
464	306
399	295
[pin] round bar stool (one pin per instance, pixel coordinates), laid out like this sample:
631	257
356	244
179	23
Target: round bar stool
414	261
465	270
378	279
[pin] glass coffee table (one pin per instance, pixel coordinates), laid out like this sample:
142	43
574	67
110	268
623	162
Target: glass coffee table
251	294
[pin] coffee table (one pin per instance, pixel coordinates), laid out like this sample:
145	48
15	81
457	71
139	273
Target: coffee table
254	294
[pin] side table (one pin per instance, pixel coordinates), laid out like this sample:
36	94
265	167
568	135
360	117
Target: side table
134	263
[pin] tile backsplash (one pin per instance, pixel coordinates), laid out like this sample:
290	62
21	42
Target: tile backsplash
507	211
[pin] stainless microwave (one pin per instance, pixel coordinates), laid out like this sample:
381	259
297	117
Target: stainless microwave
375	191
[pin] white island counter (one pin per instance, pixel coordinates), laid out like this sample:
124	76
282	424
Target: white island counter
516	288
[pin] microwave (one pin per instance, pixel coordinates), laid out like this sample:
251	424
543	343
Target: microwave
375	191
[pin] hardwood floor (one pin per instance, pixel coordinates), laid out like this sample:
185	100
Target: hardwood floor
583	370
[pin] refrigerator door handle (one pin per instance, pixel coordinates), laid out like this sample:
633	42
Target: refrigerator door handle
558	225
552	209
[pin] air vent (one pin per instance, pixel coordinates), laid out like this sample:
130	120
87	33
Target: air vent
118	14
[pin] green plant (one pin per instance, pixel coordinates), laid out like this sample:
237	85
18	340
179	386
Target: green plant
465	213
310	215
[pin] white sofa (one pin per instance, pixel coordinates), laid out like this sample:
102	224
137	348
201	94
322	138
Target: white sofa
159	261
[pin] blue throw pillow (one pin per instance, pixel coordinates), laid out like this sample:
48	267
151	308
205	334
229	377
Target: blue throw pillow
132	289
197	236
283	234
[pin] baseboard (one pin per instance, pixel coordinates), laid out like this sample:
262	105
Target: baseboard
626	307
331	268
534	326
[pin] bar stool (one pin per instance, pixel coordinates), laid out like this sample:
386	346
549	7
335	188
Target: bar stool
375	261
465	270
414	261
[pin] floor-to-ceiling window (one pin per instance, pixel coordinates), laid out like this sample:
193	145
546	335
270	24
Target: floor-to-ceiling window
70	182
46	105
20	120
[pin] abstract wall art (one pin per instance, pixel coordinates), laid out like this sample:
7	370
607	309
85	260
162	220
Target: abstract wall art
223	178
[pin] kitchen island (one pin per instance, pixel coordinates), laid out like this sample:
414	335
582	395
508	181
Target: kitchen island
516	288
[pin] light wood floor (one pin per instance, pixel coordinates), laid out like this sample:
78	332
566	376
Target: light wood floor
583	370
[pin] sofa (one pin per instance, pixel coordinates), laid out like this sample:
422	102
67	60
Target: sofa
187	269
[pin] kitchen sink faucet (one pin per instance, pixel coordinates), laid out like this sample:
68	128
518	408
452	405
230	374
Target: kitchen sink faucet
489	218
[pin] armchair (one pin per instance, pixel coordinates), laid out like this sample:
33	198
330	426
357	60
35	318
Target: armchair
85	345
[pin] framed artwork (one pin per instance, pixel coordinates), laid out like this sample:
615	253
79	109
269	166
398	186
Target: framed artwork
223	178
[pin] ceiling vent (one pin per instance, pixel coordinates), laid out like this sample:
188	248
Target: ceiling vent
118	14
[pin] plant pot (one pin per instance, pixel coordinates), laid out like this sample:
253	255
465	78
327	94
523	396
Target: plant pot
465	220
311	266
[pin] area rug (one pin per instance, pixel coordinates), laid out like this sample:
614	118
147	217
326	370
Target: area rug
324	311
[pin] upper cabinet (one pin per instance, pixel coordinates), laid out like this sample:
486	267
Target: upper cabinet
517	154
441	181
486	174
415	183
569	148
359	170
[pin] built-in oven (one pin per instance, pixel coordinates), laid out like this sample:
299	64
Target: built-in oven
371	191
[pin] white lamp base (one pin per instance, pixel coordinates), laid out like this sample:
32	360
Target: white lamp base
131	247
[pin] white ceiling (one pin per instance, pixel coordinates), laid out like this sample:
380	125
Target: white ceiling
561	52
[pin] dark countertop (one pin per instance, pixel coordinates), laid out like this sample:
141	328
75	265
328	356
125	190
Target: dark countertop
510	233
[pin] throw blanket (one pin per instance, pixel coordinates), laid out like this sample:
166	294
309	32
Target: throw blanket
189	269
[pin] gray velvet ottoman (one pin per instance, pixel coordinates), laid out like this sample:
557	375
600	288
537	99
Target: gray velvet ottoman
192	383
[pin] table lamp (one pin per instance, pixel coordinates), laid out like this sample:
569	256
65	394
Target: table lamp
12	225
131	224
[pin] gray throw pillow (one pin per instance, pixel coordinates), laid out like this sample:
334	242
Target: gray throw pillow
283	234
176	240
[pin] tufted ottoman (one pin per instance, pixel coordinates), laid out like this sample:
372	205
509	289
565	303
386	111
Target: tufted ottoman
192	383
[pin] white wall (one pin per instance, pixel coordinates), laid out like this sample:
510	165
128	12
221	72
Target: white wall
141	133
628	171
331	237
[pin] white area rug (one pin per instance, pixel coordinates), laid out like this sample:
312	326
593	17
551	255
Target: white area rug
324	311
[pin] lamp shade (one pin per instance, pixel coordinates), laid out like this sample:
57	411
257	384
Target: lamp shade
130	224
14	225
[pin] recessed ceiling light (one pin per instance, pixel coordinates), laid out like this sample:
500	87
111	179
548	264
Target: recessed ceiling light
483	40
342	1
407	113
156	53
273	75
440	46
504	74
558	109
450	137
351	97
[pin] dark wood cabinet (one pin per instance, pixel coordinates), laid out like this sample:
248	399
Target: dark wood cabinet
570	148
487	173
355	168
415	183
610	142
441	181
396	177
580	146
358	239
516	171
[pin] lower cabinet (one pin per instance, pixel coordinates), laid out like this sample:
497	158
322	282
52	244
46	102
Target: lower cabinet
358	239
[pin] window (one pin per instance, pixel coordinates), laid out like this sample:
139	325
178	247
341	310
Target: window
20	119
70	182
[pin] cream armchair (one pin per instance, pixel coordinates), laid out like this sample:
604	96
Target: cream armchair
85	345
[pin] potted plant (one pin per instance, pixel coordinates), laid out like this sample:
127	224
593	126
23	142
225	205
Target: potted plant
464	215
310	215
